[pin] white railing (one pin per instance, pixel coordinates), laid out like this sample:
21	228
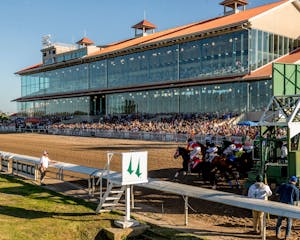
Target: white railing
7	129
140	135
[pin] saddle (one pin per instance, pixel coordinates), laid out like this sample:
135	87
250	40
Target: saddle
195	162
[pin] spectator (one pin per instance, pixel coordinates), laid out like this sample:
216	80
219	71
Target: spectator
44	164
289	194
283	152
258	190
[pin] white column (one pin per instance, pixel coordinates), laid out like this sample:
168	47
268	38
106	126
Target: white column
127	200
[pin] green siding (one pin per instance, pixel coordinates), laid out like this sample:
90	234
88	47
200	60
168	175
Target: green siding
286	79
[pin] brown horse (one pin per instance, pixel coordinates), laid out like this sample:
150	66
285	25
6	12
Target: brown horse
185	154
221	167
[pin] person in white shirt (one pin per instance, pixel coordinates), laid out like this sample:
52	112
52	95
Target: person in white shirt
283	152
44	164
258	190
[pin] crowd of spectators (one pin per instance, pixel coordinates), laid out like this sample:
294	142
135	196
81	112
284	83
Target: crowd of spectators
192	124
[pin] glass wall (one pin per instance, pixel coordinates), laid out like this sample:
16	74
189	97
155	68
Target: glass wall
217	56
61	80
226	55
98	74
264	47
71	55
80	105
222	98
151	66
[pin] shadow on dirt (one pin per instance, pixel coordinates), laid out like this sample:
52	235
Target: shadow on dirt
130	147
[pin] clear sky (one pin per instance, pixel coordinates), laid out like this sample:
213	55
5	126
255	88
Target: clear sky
24	22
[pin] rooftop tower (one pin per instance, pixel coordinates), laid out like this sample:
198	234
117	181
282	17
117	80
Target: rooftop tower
234	6
144	28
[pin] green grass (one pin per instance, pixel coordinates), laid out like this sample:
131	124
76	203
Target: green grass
30	212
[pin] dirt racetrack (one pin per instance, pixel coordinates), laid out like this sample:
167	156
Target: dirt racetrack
206	219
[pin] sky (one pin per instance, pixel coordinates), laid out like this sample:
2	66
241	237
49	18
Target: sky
23	23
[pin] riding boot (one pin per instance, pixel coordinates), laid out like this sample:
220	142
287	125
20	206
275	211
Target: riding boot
189	167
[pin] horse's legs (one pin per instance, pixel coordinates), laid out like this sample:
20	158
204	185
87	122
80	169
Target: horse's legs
227	178
206	171
179	171
236	177
237	183
213	178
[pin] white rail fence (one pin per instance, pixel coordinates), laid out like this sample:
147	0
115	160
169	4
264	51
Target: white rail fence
7	129
139	135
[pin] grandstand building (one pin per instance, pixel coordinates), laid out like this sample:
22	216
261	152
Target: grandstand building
223	64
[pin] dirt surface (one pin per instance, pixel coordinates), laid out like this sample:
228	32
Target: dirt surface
206	219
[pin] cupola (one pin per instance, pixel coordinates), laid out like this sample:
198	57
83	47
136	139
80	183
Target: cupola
234	6
143	28
84	42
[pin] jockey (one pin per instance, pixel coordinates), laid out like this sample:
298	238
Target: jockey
211	152
195	151
248	147
229	152
238	150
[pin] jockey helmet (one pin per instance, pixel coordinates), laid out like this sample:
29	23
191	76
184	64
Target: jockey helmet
232	146
189	140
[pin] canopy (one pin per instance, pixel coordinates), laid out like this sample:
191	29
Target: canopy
248	123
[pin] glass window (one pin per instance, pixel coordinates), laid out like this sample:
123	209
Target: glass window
259	51
276	46
253	49
265	51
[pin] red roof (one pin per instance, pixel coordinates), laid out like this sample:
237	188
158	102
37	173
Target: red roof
30	67
144	24
85	41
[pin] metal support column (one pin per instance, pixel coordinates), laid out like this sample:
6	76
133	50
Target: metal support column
186	209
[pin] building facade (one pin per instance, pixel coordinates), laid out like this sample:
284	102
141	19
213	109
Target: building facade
211	66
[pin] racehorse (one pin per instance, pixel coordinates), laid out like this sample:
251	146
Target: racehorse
245	163
222	167
185	154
